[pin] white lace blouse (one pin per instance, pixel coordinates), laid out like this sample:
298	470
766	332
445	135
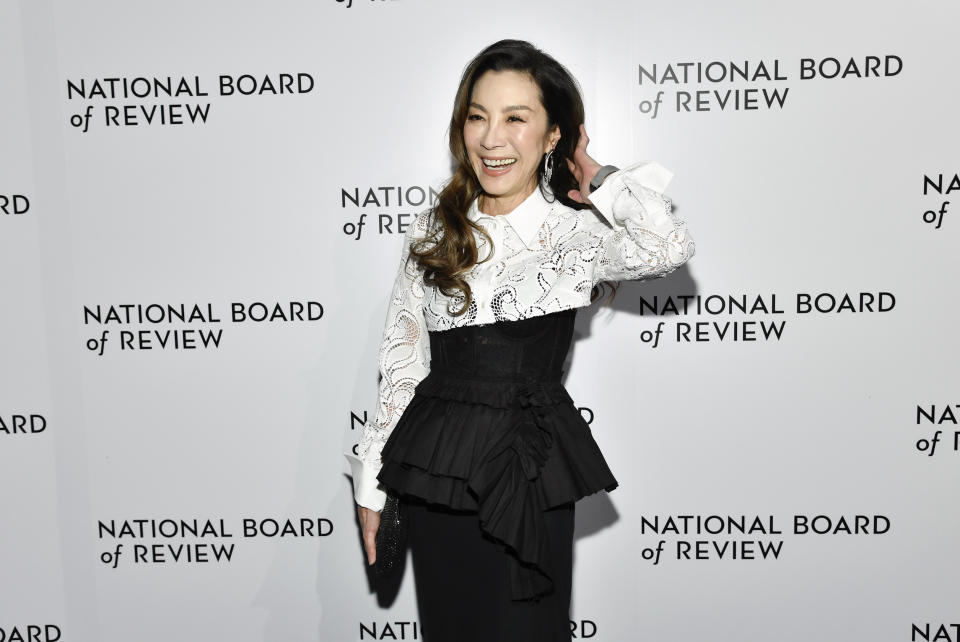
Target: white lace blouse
546	257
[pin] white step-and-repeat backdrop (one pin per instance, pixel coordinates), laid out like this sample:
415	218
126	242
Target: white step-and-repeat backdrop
201	210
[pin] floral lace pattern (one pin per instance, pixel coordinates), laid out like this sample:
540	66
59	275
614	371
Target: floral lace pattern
565	253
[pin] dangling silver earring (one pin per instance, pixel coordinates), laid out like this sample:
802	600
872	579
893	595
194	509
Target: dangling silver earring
548	167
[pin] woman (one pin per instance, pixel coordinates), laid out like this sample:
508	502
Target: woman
473	428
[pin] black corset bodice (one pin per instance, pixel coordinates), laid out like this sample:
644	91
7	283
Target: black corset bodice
491	429
532	349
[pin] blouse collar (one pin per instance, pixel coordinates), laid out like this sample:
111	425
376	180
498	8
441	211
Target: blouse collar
526	219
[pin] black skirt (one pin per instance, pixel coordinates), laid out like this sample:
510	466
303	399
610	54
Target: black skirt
462	579
491	431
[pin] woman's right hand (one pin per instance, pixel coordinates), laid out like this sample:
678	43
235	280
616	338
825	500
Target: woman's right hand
369	524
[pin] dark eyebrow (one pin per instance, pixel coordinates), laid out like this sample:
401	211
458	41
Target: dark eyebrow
506	109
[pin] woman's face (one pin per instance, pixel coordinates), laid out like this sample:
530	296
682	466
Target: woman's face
506	136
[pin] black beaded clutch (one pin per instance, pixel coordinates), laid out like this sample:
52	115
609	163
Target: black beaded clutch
391	537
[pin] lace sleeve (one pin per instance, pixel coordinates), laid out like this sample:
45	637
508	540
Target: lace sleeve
645	239
404	361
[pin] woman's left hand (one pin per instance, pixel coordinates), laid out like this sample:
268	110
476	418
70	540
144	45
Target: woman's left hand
583	168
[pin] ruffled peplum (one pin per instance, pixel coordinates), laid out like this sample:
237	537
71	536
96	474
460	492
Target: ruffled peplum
507	446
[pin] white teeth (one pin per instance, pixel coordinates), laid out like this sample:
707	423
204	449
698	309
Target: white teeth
499	163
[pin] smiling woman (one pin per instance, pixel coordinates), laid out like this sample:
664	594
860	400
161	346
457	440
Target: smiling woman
507	134
474	431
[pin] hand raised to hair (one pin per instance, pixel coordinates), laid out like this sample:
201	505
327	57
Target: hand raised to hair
583	168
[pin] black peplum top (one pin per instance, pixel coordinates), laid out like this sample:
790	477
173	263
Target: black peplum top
492	430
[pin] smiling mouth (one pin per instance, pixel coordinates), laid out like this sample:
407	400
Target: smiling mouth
499	162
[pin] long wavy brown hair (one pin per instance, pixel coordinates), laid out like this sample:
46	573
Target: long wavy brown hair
450	250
